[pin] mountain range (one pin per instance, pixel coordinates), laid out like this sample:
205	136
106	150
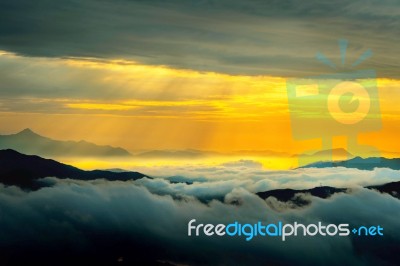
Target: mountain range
29	142
25	170
324	192
360	163
287	194
175	154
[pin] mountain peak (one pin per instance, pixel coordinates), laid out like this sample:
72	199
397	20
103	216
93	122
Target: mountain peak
29	142
27	132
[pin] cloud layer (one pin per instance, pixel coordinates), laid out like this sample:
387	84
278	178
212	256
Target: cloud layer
107	222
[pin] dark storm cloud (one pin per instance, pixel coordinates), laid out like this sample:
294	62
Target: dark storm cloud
246	37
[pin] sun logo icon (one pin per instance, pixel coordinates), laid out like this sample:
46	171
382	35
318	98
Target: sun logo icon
348	102
335	104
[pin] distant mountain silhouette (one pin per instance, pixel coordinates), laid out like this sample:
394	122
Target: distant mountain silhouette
28	142
198	154
324	192
287	194
24	170
175	154
360	163
339	152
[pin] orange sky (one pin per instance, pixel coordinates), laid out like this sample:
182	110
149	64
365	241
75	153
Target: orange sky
137	107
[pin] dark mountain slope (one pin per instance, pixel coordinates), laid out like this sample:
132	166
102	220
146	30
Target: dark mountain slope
23	170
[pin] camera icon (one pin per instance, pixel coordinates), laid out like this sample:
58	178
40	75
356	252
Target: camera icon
338	104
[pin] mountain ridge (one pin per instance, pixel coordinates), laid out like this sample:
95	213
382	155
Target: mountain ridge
29	142
323	192
25	170
359	163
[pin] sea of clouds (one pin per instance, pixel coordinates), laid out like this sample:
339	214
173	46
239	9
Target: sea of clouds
145	221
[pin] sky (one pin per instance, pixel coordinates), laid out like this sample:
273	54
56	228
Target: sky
207	75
